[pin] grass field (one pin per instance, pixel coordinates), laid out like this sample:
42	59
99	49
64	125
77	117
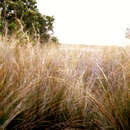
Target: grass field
62	87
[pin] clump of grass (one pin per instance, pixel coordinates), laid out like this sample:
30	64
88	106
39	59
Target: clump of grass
58	87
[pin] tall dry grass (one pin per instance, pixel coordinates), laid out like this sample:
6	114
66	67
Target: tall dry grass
57	87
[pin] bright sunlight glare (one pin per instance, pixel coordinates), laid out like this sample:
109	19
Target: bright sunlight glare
101	22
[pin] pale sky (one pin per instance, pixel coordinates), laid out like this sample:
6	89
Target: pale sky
88	21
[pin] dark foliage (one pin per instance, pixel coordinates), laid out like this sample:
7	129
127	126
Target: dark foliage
15	13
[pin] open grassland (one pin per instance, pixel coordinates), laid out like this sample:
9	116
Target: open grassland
64	87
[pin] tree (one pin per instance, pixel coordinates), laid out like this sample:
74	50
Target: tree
127	34
24	14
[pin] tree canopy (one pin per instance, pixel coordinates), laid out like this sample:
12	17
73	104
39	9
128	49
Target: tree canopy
16	14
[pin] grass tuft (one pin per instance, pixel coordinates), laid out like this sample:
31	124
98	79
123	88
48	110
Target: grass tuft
59	87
